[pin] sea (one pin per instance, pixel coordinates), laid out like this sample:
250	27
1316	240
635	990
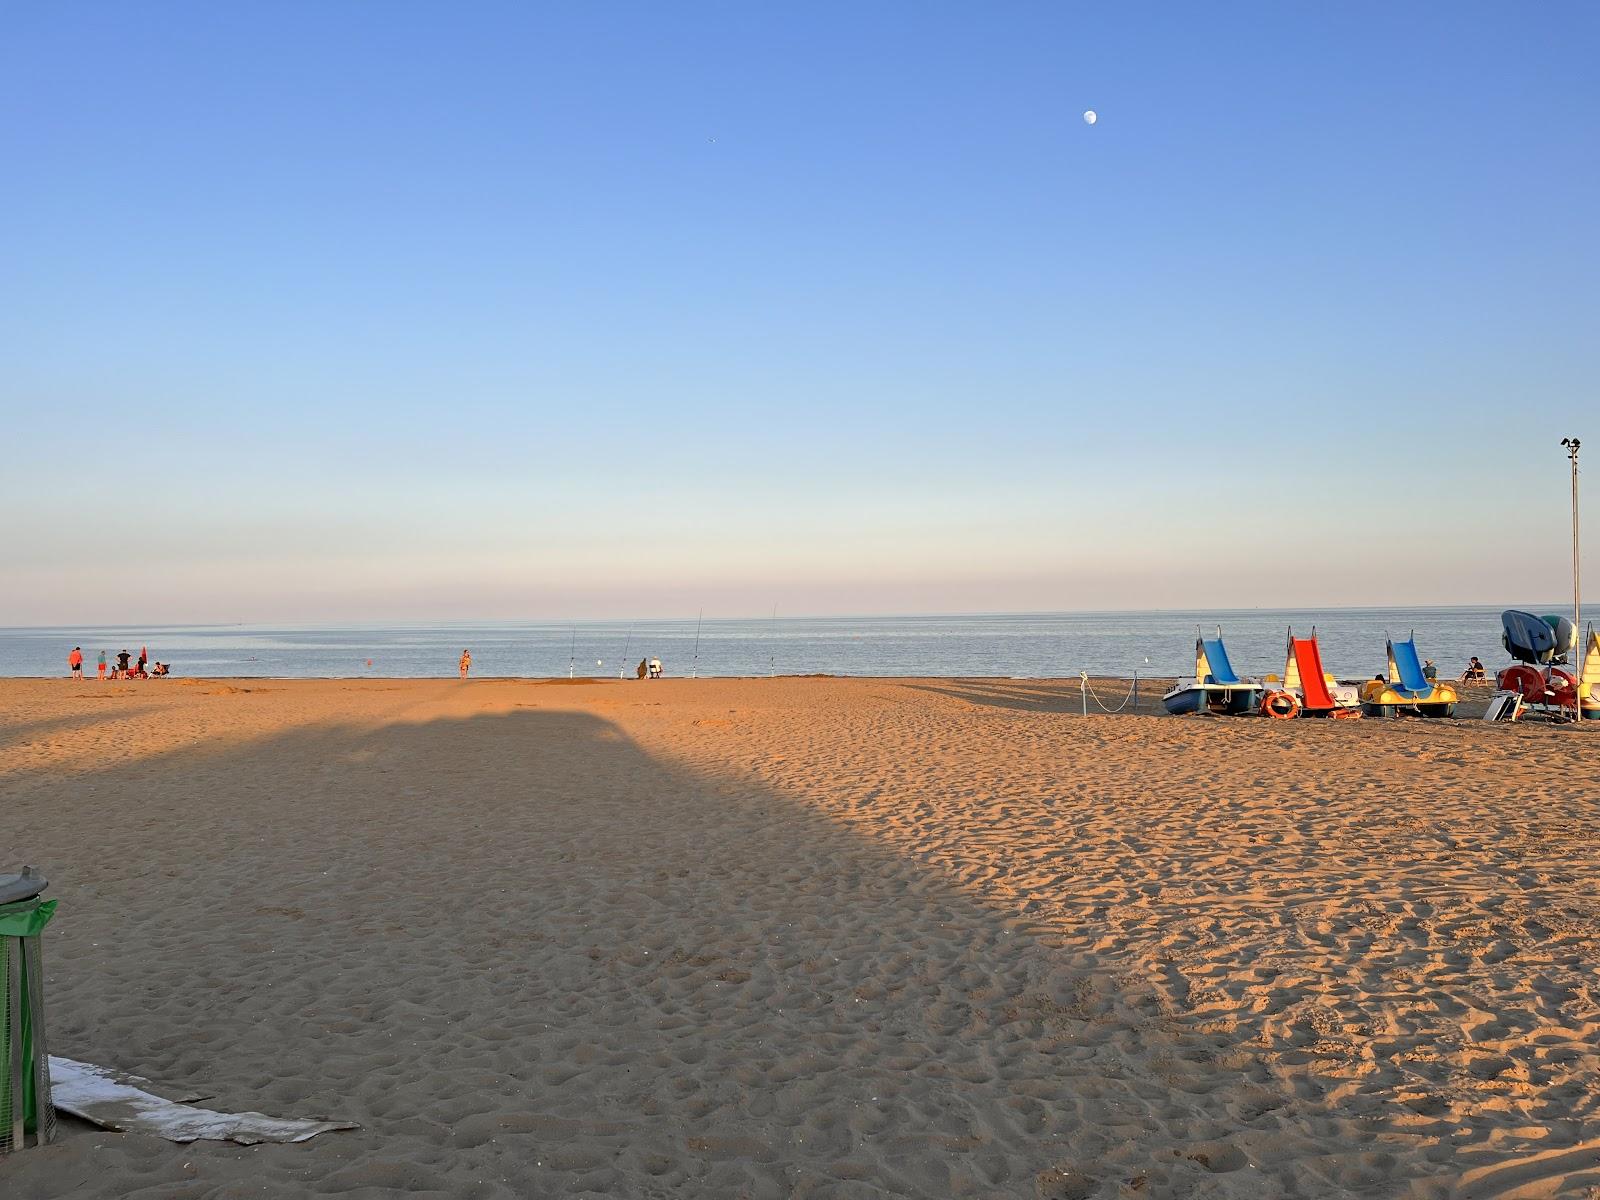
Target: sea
1006	645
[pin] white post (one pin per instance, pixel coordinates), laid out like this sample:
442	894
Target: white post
1577	556
1083	690
1577	588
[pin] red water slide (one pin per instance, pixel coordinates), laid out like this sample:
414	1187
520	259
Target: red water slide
1313	683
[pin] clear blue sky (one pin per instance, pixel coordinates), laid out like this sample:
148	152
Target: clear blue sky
333	311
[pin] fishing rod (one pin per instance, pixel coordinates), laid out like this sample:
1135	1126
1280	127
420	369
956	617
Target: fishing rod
772	653
694	671
628	641
572	661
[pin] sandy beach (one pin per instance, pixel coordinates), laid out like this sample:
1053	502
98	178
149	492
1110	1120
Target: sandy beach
811	937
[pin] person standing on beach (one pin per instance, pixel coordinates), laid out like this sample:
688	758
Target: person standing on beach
122	664
75	661
466	662
102	666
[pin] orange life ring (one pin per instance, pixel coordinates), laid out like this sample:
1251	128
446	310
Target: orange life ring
1280	706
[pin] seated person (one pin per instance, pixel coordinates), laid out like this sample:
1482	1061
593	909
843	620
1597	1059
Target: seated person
1373	688
1429	671
1474	670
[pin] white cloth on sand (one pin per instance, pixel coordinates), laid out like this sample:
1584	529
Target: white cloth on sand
117	1100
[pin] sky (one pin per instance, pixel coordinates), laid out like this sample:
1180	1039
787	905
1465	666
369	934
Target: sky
349	312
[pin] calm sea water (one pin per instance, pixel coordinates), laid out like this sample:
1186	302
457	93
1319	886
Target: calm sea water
1019	645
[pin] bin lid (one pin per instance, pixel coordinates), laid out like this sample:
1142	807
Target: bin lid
24	885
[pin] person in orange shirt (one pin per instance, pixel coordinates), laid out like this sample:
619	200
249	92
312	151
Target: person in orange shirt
75	661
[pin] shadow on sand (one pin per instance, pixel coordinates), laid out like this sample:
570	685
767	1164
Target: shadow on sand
531	959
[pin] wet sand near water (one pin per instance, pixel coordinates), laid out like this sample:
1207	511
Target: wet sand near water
811	937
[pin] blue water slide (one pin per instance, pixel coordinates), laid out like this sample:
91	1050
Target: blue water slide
1217	659
1409	668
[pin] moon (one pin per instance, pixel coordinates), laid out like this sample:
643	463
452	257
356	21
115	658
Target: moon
1090	117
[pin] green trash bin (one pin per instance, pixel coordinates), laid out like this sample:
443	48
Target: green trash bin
25	1106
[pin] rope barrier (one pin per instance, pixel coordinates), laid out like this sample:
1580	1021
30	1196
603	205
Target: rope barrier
1089	691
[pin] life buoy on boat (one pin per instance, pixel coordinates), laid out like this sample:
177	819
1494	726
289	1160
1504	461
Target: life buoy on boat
1280	706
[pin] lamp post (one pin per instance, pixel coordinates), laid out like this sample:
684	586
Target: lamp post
1571	445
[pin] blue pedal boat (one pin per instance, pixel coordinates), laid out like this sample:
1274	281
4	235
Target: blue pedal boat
1214	687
